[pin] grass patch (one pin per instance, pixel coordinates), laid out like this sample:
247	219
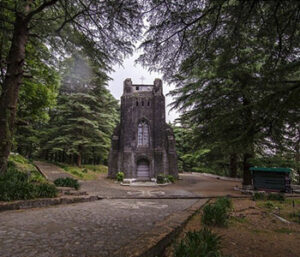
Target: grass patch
201	243
67	182
217	214
235	219
284	231
85	172
271	196
18	185
288	209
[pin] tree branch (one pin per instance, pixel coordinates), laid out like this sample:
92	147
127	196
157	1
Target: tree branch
39	9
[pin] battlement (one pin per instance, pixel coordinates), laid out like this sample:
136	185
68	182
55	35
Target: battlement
130	88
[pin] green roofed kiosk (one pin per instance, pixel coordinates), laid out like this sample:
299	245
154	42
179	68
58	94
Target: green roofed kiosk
271	179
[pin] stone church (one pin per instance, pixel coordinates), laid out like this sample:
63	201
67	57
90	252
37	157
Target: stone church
143	144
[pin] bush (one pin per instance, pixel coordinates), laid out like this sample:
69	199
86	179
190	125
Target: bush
120	176
16	185
216	214
276	197
259	196
46	190
171	178
160	179
225	201
67	182
269	205
201	243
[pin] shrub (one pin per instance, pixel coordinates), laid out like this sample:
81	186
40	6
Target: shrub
225	201
16	185
171	178
160	179
85	170
276	197
269	205
216	214
259	196
67	182
46	190
120	176
201	243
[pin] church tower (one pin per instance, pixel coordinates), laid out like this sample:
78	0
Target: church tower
143	145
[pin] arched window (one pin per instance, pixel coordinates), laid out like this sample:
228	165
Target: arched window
143	134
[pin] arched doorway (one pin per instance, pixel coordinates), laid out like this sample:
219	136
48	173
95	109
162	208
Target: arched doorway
143	169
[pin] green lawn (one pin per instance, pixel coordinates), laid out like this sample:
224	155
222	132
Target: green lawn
288	209
85	172
24	165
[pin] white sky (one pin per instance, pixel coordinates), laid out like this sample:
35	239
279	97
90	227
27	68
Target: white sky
135	72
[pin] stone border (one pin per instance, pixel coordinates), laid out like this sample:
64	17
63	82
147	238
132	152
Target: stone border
154	242
45	202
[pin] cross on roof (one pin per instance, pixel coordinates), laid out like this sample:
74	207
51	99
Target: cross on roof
142	79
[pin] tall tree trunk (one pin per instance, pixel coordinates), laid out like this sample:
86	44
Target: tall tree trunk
10	90
297	155
247	178
79	160
249	147
233	165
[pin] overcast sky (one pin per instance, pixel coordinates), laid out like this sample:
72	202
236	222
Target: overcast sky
136	72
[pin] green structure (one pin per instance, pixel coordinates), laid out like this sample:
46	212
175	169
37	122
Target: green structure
271	179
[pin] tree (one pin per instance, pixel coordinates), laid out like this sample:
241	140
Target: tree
233	63
106	30
86	113
37	96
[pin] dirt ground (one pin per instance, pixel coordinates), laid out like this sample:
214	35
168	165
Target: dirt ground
253	231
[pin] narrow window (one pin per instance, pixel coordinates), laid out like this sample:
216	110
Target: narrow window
143	134
137	88
148	103
137	103
142	103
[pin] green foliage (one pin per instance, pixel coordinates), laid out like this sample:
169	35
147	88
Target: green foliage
86	172
270	196
216	214
162	179
269	205
67	182
203	243
120	176
86	114
236	72
276	197
170	178
16	185
225	201
57	31
259	196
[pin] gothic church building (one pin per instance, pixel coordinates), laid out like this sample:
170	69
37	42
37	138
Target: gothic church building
143	145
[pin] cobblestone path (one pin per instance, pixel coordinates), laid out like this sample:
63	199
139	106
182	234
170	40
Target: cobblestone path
87	229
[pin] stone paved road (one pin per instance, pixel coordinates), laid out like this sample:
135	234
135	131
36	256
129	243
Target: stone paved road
87	229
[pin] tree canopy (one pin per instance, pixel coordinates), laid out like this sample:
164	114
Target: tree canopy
103	30
236	69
